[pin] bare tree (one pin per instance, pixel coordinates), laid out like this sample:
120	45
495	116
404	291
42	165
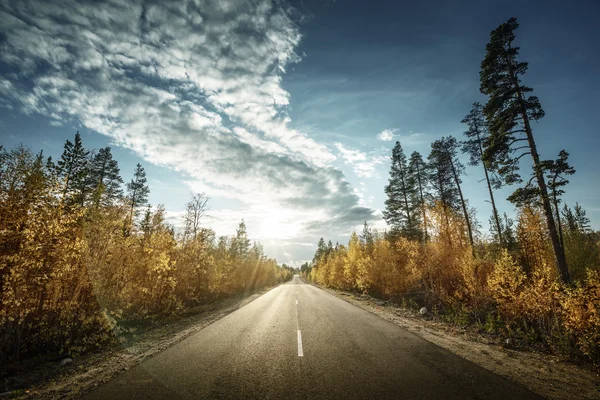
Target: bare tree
195	209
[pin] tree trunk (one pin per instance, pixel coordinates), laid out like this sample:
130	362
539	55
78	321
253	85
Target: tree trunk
558	221
445	209
464	207
410	226
67	182
494	209
132	208
422	203
559	252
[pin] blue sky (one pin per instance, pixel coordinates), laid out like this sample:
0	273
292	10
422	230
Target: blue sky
276	109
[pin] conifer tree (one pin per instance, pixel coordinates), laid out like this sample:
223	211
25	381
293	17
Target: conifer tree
401	211
104	179
320	252
240	244
477	134
447	171
138	192
556	172
509	112
72	167
417	170
583	222
367	238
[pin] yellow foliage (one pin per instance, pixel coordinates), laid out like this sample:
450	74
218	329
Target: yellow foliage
581	315
506	283
70	275
518	292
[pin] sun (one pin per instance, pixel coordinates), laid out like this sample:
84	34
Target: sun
279	224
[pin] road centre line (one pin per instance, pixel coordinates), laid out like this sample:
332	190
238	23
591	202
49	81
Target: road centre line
300	352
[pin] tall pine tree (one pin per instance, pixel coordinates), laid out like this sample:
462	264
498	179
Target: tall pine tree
138	192
477	134
72	168
510	111
401	211
556	172
417	171
104	179
446	179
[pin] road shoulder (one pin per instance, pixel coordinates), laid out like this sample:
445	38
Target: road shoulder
51	381
540	373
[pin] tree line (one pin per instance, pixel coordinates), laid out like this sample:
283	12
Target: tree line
84	257
536	277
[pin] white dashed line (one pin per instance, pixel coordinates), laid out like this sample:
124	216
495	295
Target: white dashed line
296	301
300	352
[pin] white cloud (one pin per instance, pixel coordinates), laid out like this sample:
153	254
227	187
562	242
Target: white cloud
351	156
194	87
387	135
363	164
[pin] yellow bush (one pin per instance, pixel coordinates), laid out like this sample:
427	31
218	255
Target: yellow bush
581	315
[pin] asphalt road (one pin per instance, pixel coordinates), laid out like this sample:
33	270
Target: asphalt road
300	342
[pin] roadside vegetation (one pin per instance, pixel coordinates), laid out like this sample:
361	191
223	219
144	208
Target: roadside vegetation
82	261
535	279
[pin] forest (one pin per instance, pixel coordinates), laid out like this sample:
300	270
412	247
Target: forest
534	279
83	261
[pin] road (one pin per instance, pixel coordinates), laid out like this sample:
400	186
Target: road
300	342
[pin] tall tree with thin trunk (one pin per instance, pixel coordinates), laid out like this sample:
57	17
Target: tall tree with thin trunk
556	172
72	166
509	112
443	155
401	211
477	134
138	192
104	179
417	170
443	188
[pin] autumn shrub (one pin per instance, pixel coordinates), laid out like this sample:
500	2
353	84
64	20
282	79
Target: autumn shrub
514	293
75	274
582	252
581	315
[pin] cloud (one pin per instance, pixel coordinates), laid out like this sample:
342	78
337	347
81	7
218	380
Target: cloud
386	135
351	156
363	164
193	86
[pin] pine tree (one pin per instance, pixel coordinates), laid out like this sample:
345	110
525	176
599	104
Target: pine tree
72	168
508	232
240	244
556	170
417	171
569	218
477	134
320	252
509	112
138	192
583	222
104	179
367	238
447	171
329	249
401	211
146	222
